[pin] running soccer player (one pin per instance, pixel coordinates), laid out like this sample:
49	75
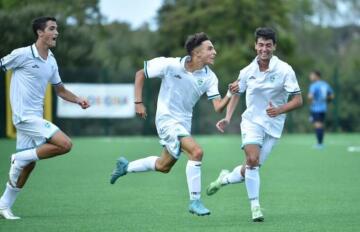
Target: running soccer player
268	82
320	93
33	67
183	82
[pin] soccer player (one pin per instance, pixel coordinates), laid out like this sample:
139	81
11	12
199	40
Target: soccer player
320	93
183	82
268	82
32	68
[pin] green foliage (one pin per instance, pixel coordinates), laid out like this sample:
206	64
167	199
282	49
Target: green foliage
90	51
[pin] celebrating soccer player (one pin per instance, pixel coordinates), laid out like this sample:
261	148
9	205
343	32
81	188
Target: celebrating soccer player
268	82
183	81
33	67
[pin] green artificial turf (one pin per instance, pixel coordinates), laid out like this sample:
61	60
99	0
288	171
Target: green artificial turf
302	189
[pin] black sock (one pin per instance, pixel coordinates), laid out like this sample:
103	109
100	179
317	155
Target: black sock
319	135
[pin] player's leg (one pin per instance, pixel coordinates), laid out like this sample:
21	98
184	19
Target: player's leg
318	121
237	175
252	140
46	141
163	164
58	144
15	184
193	175
252	180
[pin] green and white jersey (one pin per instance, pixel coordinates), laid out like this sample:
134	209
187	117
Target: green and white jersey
180	89
30	76
274	85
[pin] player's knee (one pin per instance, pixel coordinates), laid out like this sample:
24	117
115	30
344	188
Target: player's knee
66	146
252	161
197	154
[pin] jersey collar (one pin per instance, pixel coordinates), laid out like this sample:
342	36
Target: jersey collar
273	61
35	52
185	59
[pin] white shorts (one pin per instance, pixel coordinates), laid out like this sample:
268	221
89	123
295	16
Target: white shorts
170	136
33	132
252	133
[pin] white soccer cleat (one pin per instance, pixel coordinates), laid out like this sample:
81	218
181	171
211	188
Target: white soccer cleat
14	172
8	214
257	215
217	184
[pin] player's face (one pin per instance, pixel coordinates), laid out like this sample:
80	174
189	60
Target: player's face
313	77
206	52
50	34
264	48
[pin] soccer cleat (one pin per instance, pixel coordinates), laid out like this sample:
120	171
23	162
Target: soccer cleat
217	184
197	207
7	214
14	172
120	169
257	216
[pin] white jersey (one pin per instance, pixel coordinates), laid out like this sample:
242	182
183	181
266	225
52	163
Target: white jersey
274	85
180	89
30	76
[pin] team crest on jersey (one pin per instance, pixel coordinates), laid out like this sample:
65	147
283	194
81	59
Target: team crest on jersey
177	76
272	78
47	125
200	82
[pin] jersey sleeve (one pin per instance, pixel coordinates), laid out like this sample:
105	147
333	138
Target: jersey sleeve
213	90
55	79
291	85
242	82
156	67
12	61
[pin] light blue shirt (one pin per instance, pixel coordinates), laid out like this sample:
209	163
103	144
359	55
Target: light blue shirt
319	90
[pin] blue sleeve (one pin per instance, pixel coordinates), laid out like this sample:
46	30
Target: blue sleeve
330	90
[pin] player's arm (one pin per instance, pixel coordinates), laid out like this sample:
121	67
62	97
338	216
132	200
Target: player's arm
139	84
330	95
67	95
295	102
220	104
310	98
222	124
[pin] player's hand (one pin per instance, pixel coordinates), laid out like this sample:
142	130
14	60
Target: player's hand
222	124
83	103
272	111
140	110
234	87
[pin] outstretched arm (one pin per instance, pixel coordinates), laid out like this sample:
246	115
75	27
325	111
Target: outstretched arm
219	104
139	84
67	95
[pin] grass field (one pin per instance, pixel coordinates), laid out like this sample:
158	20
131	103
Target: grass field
302	189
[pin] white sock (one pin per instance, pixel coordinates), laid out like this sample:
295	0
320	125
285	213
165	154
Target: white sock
143	165
252	181
233	177
23	158
9	196
193	176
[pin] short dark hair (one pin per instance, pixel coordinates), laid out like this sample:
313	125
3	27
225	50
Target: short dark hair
40	23
266	33
194	41
316	72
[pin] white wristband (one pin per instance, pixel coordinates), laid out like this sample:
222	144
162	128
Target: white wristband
229	94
